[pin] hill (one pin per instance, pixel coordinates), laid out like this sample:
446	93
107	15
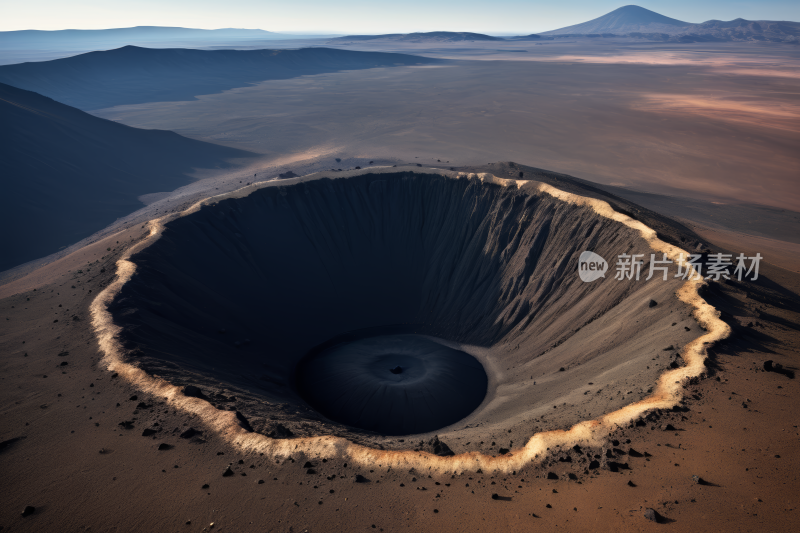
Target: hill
116	37
427	37
66	174
133	75
744	30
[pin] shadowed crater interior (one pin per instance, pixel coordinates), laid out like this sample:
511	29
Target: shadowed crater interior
391	384
464	296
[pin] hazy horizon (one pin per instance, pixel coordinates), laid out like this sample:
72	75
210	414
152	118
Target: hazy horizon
358	16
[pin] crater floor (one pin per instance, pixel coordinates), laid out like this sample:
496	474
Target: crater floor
392	384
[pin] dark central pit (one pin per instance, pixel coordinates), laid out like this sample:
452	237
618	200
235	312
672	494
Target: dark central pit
391	384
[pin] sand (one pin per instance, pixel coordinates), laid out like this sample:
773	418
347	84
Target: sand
706	119
74	444
126	467
668	136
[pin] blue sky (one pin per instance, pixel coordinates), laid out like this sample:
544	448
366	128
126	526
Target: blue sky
364	16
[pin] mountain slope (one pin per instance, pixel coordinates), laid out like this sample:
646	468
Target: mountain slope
424	37
116	37
66	174
133	75
744	30
626	19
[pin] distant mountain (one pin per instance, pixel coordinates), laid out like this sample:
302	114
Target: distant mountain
626	19
133	75
738	30
531	37
744	30
114	38
66	174
640	23
429	37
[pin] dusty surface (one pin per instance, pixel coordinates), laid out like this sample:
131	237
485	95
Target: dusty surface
72	443
709	119
81	469
706	123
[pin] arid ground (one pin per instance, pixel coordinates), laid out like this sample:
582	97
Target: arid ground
704	134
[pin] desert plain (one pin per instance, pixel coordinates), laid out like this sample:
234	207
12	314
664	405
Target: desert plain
166	398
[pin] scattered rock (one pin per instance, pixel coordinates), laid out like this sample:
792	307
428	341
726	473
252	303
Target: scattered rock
652	303
189	433
279	431
227	472
8	443
668	427
361	479
495	496
652	515
243	422
126	424
205	486
698	480
631	483
616	467
29	510
193	392
164	446
634	453
148	432
437	447
552	475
